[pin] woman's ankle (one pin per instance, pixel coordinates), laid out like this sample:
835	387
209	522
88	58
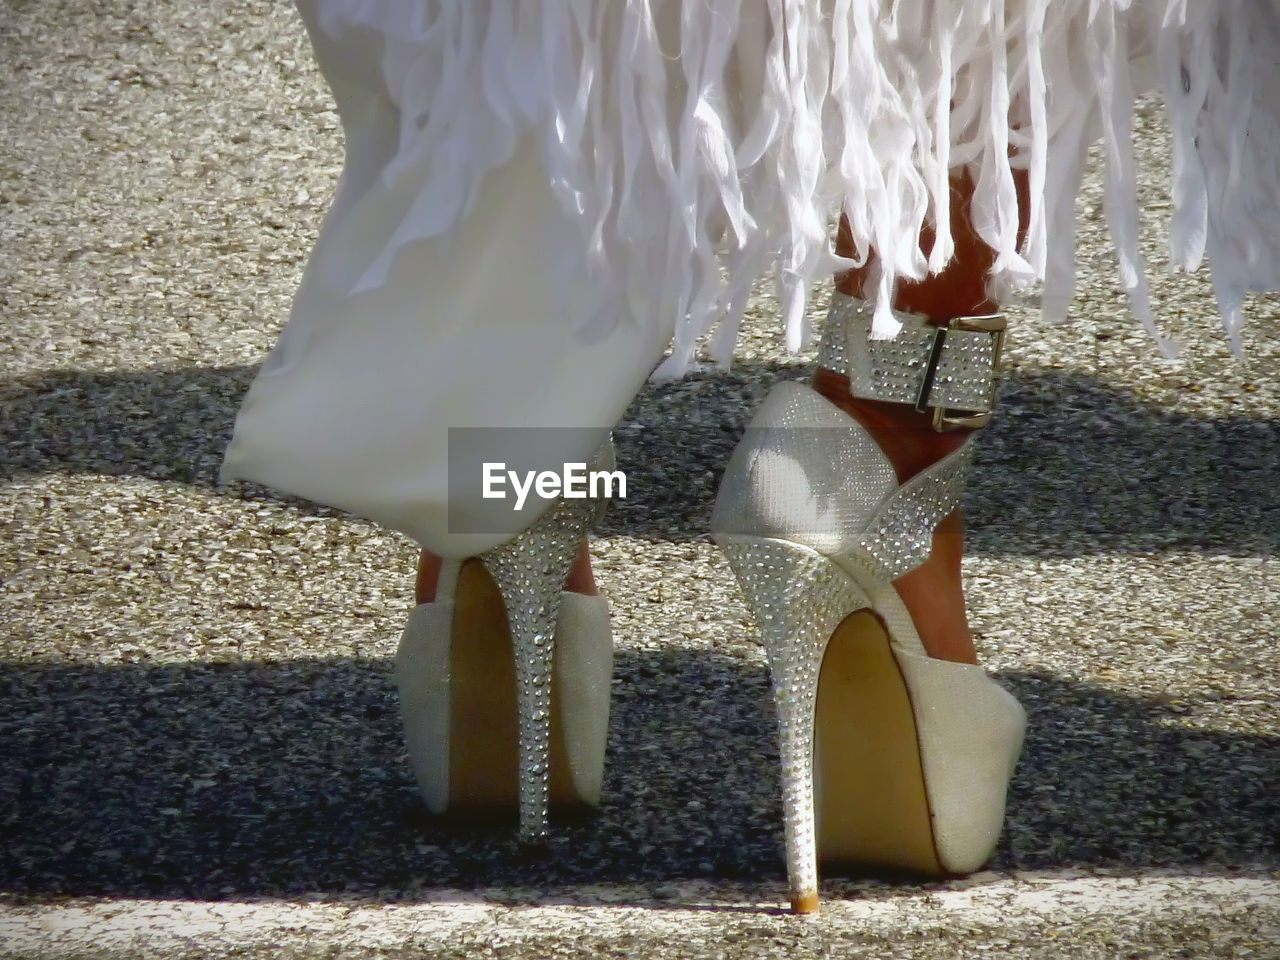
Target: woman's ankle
933	593
906	436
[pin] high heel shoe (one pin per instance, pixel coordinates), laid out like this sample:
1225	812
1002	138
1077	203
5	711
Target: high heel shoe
504	679
889	757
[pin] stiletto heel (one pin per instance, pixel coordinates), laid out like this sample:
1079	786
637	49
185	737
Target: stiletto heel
530	572
798	598
889	757
486	723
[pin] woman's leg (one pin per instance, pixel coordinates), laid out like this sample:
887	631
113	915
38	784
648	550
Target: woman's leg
932	592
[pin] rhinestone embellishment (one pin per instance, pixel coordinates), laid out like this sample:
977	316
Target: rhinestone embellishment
894	370
900	535
799	598
530	571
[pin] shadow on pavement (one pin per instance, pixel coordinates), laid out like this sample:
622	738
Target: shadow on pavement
1069	467
246	780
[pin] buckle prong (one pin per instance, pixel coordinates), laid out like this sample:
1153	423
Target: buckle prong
944	421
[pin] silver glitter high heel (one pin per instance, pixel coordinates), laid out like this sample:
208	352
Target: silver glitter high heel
889	758
504	679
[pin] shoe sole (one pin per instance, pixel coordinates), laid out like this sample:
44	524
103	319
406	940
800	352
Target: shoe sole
484	725
871	802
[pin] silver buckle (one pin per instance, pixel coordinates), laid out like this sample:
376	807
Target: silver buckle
943	420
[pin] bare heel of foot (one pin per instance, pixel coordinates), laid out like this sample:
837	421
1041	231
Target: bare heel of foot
933	592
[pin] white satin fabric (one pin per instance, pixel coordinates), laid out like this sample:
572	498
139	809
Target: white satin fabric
541	195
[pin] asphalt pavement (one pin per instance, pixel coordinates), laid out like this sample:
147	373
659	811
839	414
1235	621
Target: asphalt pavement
199	732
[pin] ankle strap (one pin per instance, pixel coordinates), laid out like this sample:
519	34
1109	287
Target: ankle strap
950	370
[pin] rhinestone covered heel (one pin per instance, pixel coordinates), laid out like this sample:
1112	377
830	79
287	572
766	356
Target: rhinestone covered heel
798	598
504	679
890	758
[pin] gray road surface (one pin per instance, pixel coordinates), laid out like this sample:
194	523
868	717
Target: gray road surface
201	753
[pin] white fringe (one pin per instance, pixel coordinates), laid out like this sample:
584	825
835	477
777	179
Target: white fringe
691	136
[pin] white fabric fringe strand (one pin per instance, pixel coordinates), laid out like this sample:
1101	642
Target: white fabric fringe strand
688	137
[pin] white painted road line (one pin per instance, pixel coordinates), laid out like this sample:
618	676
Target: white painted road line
1003	905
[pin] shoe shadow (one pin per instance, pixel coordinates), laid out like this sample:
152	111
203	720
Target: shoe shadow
1069	467
158	424
243	780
